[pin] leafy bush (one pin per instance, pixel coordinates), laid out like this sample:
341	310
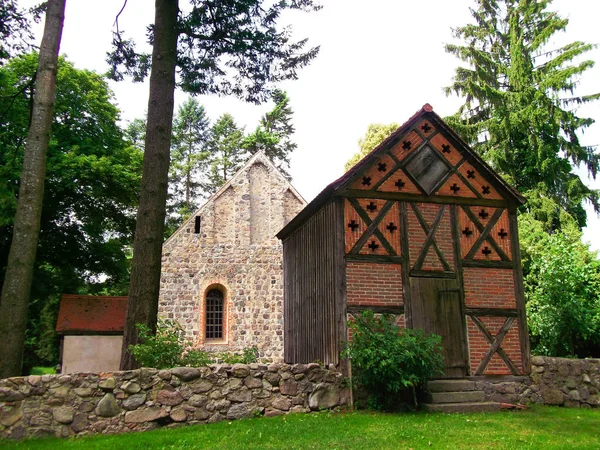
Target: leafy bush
168	348
388	361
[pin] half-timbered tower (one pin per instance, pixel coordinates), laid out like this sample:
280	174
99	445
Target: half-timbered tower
422	228
222	277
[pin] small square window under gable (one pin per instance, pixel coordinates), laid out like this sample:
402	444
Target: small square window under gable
427	168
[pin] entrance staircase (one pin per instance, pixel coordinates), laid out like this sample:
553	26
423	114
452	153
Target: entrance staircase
453	396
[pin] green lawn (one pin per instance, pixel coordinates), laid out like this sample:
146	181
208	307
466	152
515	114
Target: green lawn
537	428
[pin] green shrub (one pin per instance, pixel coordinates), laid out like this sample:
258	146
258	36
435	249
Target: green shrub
389	361
168	348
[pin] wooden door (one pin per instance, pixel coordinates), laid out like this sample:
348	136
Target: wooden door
435	307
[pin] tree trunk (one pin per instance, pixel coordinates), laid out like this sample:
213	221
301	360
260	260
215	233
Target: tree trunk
142	306
14	301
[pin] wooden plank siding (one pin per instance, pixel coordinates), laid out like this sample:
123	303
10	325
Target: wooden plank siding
314	288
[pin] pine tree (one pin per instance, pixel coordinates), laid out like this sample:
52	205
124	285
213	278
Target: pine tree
519	101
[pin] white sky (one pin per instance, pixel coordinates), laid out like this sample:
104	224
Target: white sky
380	61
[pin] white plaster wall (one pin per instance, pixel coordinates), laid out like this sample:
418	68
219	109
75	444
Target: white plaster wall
91	353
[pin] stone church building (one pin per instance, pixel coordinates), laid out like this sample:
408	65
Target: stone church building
222	275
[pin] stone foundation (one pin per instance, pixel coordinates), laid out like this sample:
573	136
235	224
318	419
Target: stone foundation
116	402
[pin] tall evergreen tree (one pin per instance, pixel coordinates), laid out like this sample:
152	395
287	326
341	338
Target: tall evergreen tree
191	130
274	133
519	101
226	153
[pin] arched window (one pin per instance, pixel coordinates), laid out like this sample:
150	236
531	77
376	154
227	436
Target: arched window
214	314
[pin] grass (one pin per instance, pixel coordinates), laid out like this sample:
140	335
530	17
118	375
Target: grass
42	371
538	427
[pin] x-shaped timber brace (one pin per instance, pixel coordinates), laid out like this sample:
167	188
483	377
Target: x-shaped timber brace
484	234
495	342
372	227
430	238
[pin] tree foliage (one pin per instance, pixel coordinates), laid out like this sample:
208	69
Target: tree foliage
375	135
562	288
519	111
15	28
91	190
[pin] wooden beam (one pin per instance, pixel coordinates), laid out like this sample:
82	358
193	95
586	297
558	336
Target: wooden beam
405	251
519	292
491	312
381	259
488	238
371	227
455	227
484	235
491	264
432	274
357	309
438	199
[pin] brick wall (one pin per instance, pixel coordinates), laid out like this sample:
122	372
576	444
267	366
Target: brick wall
489	288
372	284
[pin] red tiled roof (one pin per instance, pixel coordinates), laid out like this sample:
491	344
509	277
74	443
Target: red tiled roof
88	314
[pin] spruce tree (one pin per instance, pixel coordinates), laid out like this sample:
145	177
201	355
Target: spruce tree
519	101
274	133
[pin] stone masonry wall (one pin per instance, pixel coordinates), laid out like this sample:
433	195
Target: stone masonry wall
236	252
115	402
566	382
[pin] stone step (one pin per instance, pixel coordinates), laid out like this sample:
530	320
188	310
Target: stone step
450	408
451	386
455	397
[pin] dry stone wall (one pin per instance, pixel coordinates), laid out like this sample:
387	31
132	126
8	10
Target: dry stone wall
115	402
237	252
566	382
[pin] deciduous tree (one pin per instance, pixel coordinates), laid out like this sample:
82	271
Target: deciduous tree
231	47
376	133
91	191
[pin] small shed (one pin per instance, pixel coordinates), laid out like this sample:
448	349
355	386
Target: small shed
91	331
421	228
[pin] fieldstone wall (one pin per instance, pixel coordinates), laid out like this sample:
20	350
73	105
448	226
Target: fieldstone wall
143	399
236	251
574	383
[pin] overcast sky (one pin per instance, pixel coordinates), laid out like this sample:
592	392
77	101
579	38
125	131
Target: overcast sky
380	61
